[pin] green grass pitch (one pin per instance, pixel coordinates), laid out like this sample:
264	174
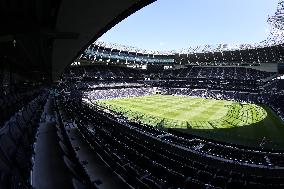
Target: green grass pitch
228	121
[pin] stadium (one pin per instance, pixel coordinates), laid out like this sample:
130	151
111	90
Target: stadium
82	113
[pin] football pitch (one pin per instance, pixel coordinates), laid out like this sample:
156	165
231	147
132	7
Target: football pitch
227	121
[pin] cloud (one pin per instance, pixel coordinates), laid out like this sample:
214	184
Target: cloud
162	43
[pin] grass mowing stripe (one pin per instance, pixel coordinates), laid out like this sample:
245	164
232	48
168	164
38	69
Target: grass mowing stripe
225	120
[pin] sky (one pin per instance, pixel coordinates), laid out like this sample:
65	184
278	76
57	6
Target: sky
177	24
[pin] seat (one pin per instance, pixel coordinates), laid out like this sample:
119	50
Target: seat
16	156
151	183
193	184
17	135
64	148
78	185
74	169
21	123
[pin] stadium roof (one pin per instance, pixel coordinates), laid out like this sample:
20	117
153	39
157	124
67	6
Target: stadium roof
38	39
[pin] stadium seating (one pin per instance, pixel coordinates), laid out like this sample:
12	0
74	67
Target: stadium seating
119	72
61	168
94	148
16	142
143	159
13	102
229	83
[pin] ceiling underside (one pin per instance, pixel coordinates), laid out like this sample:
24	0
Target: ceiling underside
39	38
